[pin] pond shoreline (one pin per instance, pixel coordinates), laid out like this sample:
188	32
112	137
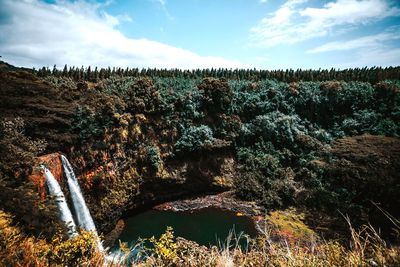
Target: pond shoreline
223	201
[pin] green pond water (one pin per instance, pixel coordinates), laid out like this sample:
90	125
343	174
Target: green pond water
209	226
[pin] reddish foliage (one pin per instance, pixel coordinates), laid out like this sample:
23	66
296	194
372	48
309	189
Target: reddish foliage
53	163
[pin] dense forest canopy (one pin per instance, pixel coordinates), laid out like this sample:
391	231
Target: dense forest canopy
372	75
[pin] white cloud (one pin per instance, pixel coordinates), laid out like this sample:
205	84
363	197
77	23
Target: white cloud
371	41
33	33
163	4
292	23
370	57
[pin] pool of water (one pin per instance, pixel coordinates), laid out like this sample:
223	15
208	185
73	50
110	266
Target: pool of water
209	226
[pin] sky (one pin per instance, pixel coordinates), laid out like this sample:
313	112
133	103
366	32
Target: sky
188	34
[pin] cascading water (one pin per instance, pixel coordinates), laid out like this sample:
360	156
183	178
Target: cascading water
57	193
82	213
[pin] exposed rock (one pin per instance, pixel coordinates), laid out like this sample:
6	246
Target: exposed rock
110	238
53	163
223	201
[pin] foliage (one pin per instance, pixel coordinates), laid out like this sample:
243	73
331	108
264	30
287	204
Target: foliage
262	176
153	155
143	97
88	124
276	127
70	252
165	247
15	248
18	155
194	138
289	225
20	250
366	248
273	128
125	129
373	75
217	95
17	152
61	82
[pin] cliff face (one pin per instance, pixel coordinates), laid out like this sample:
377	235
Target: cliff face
138	141
119	168
53	163
370	166
46	111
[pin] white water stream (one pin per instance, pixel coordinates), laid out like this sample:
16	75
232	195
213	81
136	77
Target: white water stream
56	192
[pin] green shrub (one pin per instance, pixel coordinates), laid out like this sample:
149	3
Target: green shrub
276	127
217	95
154	157
263	178
194	138
88	123
143	97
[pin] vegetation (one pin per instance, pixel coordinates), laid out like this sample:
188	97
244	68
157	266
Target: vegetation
19	250
373	75
367	249
324	140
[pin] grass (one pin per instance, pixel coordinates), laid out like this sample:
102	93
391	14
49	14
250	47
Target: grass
365	248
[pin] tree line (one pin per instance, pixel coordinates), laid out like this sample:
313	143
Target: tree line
372	75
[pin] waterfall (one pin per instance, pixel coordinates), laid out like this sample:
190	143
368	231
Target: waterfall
57	193
82	213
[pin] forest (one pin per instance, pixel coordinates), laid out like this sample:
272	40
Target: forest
321	147
372	75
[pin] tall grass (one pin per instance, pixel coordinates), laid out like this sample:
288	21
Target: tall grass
365	248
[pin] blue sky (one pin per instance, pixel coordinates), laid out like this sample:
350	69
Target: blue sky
266	34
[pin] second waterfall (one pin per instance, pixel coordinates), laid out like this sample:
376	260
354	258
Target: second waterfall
82	213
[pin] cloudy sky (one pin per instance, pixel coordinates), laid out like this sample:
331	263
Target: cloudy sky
267	34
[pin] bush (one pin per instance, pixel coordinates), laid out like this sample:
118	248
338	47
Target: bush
17	151
143	97
253	99
362	121
154	157
89	123
262	177
276	127
17	249
194	138
165	248
387	127
72	251
217	95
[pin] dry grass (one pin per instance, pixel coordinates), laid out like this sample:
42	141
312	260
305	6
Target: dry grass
366	248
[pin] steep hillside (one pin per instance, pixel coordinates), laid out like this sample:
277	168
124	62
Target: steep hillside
135	141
